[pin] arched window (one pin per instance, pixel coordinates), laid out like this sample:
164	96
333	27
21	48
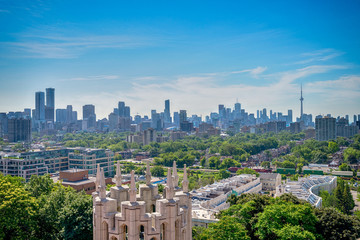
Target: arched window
105	230
142	232
162	231
177	230
153	208
125	232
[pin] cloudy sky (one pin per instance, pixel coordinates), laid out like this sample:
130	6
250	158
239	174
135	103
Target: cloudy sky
198	54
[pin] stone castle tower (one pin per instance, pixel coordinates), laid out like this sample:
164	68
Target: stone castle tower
124	214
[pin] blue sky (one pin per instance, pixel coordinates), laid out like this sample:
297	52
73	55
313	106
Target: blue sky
197	54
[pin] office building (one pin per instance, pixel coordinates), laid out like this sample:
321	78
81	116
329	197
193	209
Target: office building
88	159
89	115
21	167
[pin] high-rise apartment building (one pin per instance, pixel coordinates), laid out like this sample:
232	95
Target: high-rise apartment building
301	102
19	129
325	128
89	115
127	112
69	114
61	115
121	109
167	117
39	106
290	116
176	118
50	104
182	116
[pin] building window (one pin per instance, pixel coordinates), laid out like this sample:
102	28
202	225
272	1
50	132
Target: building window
125	232
162	231
142	233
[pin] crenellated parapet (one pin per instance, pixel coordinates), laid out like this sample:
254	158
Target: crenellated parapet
124	213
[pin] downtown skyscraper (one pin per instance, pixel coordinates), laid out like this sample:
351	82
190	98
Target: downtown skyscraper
39	106
50	104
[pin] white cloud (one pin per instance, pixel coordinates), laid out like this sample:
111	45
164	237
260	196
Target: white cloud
57	46
320	56
201	94
93	78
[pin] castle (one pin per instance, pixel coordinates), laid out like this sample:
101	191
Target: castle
124	214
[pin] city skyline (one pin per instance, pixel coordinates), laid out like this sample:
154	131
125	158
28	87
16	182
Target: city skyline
198	56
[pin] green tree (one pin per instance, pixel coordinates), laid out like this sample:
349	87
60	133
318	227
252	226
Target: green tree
351	155
333	147
227	228
214	162
277	216
265	164
228	162
328	200
18	212
223	174
300	167
65	214
344	167
289	232
39	185
247	171
157	171
334	225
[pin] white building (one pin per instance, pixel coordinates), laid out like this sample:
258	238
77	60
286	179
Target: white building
308	188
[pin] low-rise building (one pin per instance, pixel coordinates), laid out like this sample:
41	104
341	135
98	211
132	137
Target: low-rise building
21	167
88	159
213	197
308	188
270	181
79	180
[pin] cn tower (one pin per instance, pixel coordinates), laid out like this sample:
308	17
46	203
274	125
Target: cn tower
301	101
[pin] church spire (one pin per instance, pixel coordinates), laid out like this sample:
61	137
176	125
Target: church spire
185	182
175	175
118	177
148	174
102	187
97	182
169	185
132	191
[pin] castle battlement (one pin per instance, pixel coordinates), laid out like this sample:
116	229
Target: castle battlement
125	214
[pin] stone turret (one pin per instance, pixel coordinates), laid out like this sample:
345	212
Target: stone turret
148	174
169	185
185	182
175	176
102	186
97	181
118	177
132	190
